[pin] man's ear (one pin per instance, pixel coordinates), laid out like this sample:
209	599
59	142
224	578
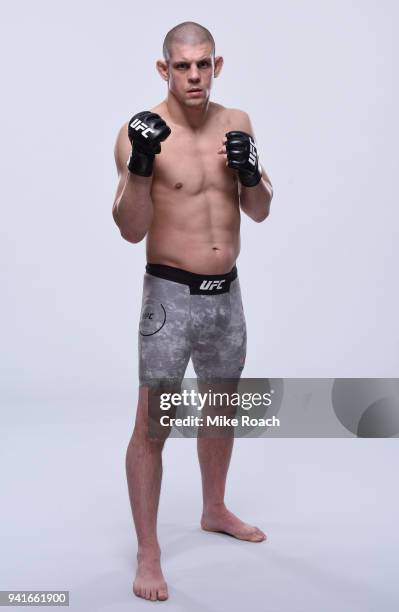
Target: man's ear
163	69
218	65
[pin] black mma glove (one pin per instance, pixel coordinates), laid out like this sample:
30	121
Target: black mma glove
243	157
146	131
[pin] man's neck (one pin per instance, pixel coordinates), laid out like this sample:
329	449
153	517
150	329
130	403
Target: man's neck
193	118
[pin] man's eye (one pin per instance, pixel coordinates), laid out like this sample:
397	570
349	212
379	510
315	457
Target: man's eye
181	66
203	64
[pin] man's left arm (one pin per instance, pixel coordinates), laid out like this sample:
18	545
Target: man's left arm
255	188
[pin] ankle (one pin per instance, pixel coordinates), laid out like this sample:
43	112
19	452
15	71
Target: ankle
213	508
148	552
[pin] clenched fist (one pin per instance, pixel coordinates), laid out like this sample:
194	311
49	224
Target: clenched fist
146	131
243	157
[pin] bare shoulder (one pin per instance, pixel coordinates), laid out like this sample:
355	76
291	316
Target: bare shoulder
230	118
122	134
158	108
122	148
238	120
161	110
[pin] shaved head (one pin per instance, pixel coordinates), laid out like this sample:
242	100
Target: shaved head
187	33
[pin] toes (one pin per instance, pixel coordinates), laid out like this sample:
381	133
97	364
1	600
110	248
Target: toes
162	594
258	536
153	595
136	590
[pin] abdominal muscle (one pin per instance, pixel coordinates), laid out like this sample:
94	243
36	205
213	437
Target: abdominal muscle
199	233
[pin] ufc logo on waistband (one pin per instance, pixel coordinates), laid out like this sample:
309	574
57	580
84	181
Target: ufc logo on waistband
139	126
252	153
210	285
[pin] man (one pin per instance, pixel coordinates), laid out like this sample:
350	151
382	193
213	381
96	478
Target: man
186	168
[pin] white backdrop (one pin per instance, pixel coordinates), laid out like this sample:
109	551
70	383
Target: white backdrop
319	81
319	281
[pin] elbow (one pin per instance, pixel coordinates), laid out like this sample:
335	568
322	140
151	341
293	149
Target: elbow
258	215
131	236
127	233
260	218
262	214
266	210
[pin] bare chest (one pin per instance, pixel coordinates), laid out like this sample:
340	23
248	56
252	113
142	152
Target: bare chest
190	161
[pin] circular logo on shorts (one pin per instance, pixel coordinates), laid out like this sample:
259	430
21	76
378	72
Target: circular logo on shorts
152	319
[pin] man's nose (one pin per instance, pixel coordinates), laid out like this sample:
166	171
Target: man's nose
194	75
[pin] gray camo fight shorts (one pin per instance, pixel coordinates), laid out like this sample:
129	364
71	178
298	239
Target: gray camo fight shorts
187	315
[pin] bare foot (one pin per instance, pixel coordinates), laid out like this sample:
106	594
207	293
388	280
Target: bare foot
222	520
149	582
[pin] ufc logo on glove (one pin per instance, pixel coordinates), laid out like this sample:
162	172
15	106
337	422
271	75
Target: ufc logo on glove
252	152
140	126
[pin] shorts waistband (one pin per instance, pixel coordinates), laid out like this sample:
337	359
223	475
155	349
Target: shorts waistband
200	284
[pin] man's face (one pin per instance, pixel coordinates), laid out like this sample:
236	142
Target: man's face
190	73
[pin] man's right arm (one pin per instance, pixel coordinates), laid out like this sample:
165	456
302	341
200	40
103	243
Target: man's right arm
132	209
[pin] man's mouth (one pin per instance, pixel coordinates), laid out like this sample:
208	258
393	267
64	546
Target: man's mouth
194	89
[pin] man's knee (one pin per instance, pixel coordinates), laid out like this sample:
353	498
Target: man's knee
148	428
